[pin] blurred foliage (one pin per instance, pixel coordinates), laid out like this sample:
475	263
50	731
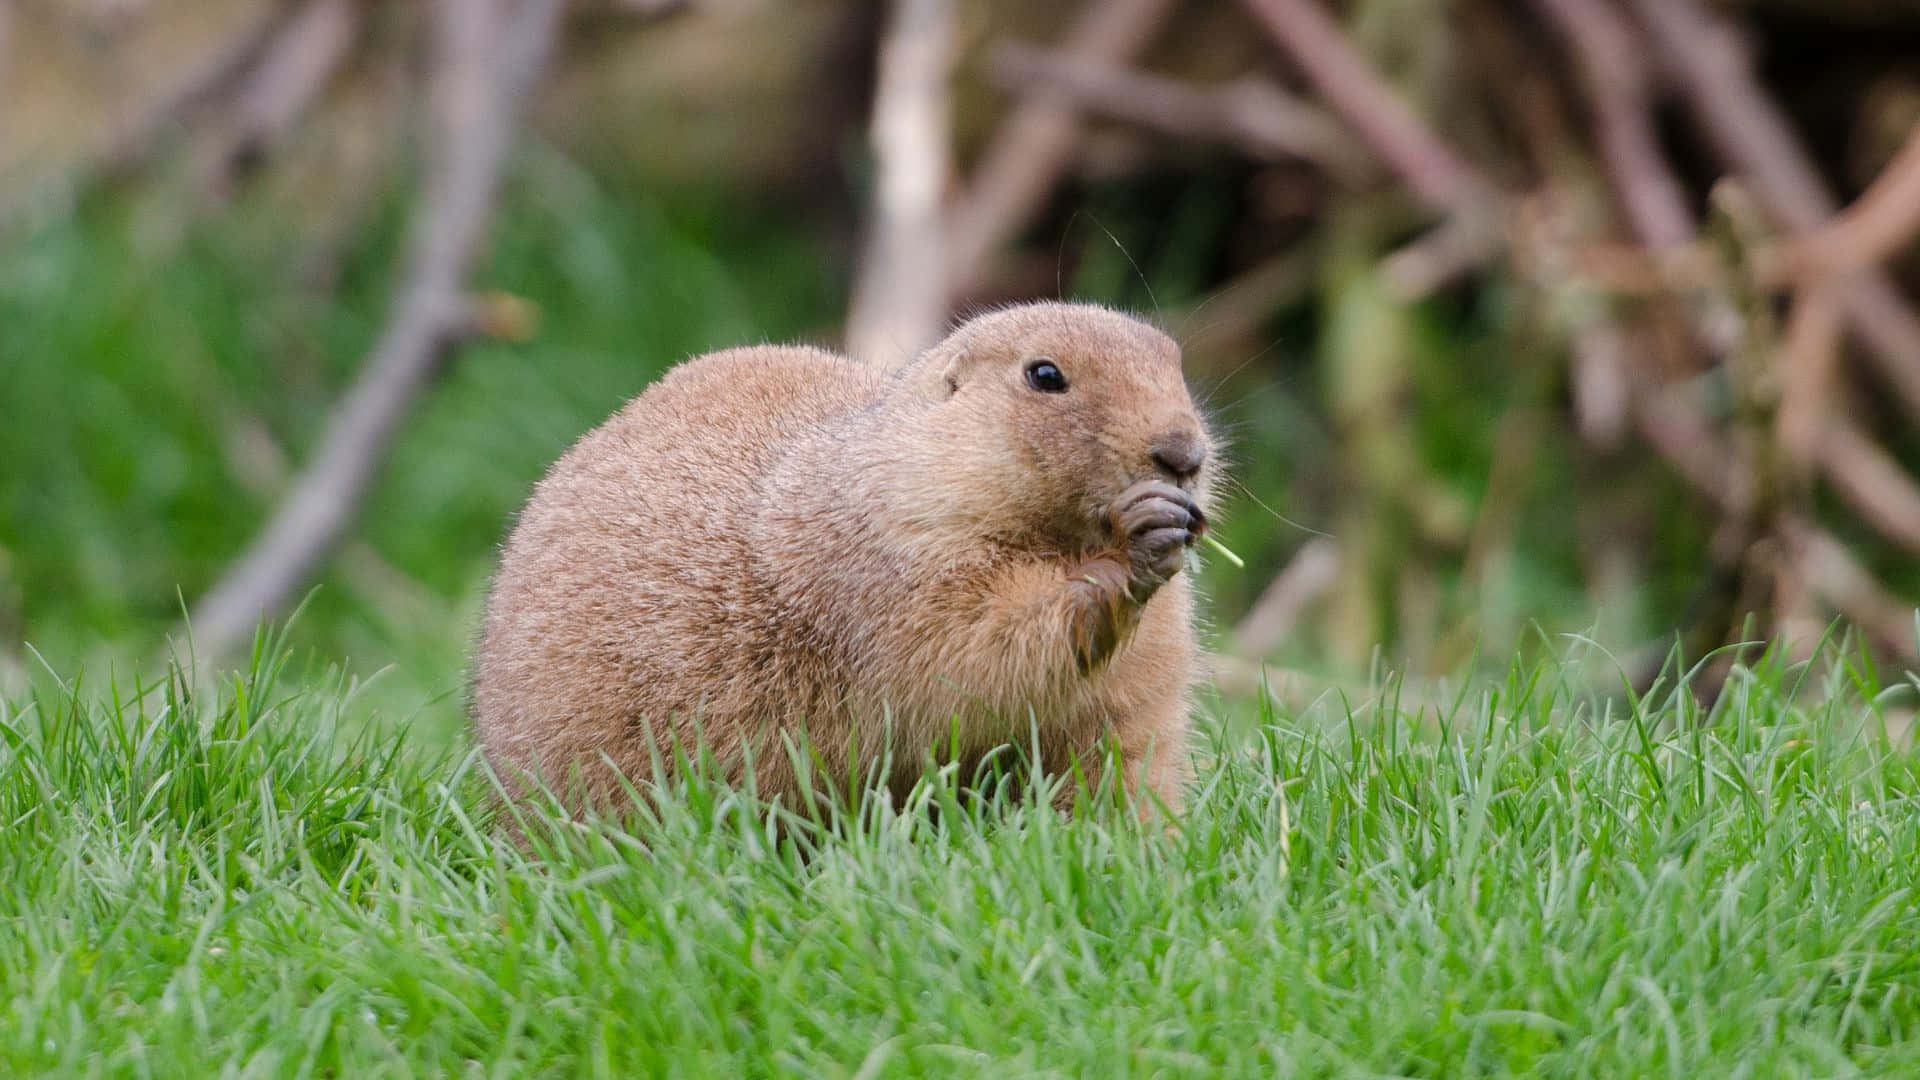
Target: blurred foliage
168	376
159	380
168	360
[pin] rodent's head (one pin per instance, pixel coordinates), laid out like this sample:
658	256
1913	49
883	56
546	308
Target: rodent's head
1054	409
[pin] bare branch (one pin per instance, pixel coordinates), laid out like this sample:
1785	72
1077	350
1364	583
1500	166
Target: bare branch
1705	58
1602	383
1310	573
1252	114
1440	256
900	301
491	53
135	140
1882	221
1232	313
1036	143
6	34
1439	177
1681	434
294	68
1809	353
1611	65
1872	482
1838	577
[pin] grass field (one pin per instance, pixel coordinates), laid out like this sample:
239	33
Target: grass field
1515	878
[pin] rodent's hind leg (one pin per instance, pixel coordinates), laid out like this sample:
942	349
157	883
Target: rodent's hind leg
1158	767
1155	761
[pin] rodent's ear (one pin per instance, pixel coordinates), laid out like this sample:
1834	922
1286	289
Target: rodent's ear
950	375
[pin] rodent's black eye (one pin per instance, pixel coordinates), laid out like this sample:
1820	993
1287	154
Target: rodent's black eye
1045	376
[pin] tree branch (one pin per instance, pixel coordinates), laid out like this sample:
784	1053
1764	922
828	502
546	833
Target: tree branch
1441	179
1036	143
1882	221
294	68
1436	175
1872	482
1311	572
1611	65
1252	114
1838	577
491	53
135	140
1705	59
900	300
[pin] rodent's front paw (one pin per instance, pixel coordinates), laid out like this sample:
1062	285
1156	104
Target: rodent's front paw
1155	523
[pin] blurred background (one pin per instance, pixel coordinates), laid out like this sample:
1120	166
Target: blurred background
1525	318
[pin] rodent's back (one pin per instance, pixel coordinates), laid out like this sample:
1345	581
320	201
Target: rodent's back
624	589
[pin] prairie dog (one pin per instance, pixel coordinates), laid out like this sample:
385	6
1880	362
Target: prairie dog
980	547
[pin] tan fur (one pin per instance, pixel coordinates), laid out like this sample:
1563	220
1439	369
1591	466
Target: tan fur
775	540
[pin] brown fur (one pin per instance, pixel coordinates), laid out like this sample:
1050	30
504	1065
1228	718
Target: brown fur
772	540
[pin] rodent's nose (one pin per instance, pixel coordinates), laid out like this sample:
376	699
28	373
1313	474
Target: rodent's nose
1179	455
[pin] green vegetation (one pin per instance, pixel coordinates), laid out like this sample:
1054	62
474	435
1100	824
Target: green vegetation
294	871
1518	879
170	380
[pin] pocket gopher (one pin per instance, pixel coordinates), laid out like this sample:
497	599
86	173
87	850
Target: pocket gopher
981	547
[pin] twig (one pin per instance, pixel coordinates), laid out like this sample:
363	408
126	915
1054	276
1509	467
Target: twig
1442	255
1873	229
1611	65
293	69
1225	320
1809	354
1441	179
1602	385
900	300
1431	170
128	147
6	35
1872	482
1252	113
1034	145
1681	434
1704	58
1308	575
491	54
1838	577
1882	221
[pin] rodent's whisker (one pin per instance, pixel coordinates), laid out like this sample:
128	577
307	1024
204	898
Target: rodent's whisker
1278	516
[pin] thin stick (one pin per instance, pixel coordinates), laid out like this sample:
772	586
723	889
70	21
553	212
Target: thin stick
1705	58
1611	64
293	70
1431	170
1439	177
1034	146
491	54
1838	577
1882	221
174	104
1307	577
1252	114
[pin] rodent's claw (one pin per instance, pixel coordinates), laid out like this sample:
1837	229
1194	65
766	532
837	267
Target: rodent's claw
1154	514
1151	489
1161	543
1151	500
1155	523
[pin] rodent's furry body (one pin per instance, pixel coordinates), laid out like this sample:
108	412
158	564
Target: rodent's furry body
772	541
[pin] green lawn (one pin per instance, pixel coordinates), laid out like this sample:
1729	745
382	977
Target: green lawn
1520	878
